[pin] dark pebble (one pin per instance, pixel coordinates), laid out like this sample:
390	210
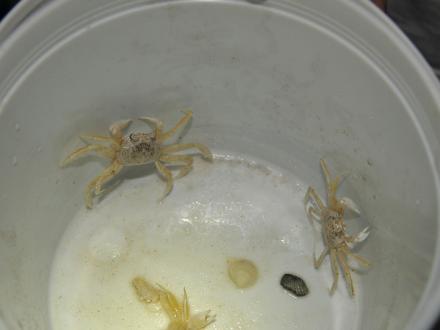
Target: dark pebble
295	285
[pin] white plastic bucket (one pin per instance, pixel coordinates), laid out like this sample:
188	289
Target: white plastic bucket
279	84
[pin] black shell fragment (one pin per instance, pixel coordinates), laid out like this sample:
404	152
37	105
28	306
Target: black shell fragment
295	285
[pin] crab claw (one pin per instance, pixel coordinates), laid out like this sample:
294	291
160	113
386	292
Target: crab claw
145	291
117	127
362	236
152	122
349	204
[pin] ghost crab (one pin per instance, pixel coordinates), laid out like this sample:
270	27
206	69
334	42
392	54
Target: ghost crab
178	313
137	149
336	241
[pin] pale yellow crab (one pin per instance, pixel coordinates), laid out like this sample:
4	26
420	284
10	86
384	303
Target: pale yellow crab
336	241
178	313
137	149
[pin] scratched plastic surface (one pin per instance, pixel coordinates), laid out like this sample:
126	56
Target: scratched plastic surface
232	208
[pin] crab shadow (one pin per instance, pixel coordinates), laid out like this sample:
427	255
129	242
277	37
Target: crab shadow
129	173
86	160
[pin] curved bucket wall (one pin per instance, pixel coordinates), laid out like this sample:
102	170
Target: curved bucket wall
274	86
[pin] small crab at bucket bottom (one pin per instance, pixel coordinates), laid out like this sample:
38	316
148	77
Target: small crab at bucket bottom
137	149
178	313
336	241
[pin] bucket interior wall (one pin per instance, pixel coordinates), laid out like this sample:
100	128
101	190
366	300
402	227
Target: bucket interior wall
282	87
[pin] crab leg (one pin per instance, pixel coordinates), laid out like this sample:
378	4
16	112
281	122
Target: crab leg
96	138
102	150
332	186
183	121
313	214
334	264
169	303
180	314
363	261
201	320
326	172
318	262
166	173
95	184
187	160
145	291
312	195
88	193
107	175
185	305
183	146
343	262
